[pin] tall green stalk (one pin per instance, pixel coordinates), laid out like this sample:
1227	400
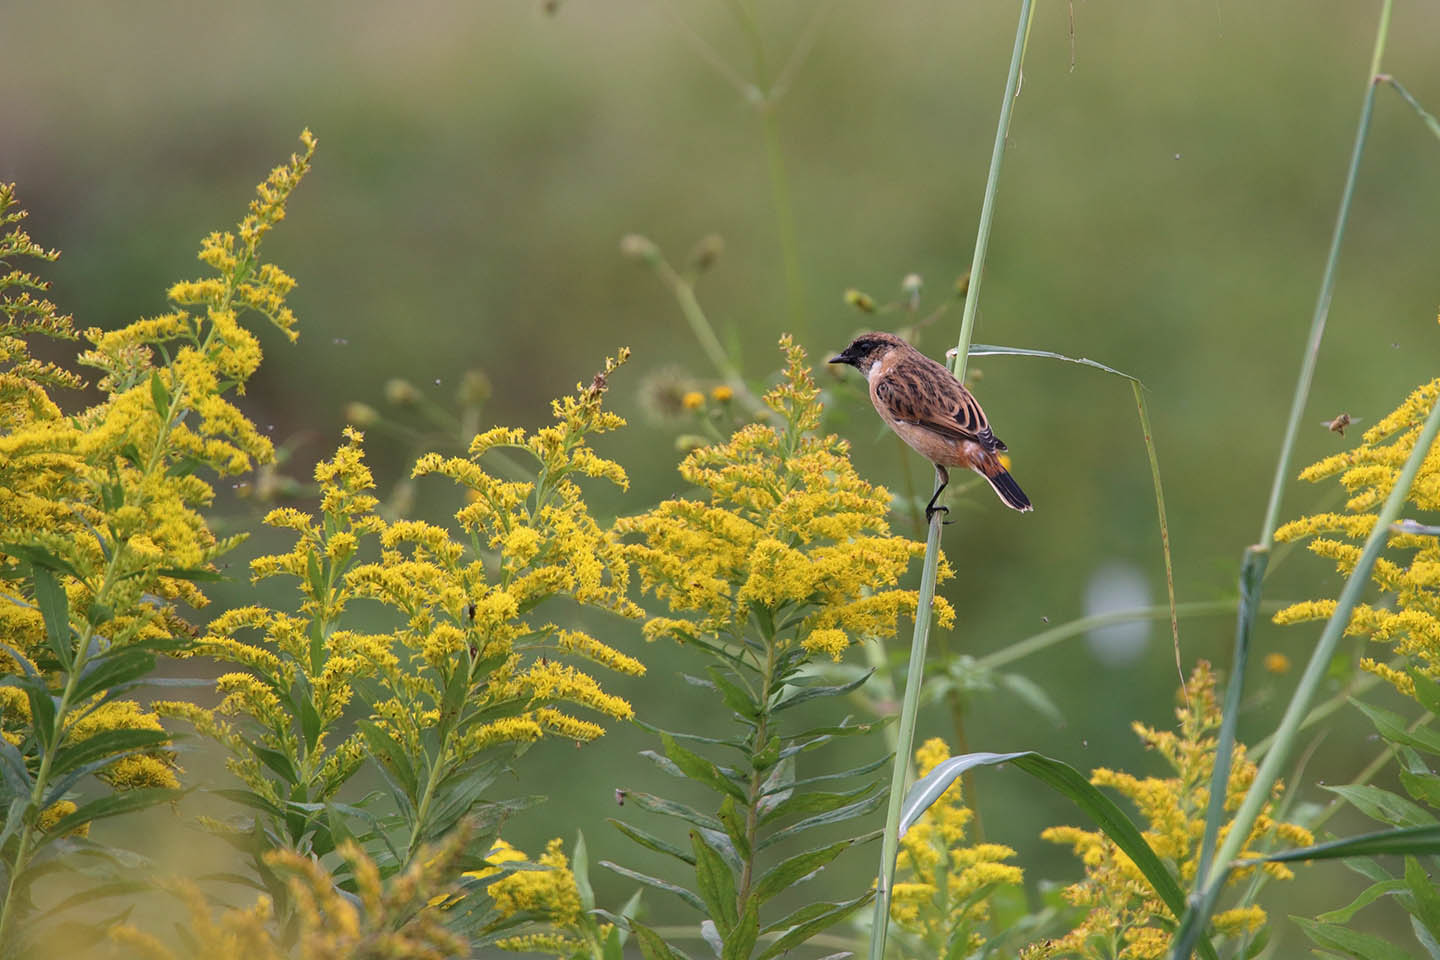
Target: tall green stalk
1210	884
910	707
1257	557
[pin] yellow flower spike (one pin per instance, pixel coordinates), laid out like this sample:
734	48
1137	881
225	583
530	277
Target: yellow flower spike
942	885
1115	893
1411	566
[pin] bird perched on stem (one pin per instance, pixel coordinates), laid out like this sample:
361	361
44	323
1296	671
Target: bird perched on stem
933	412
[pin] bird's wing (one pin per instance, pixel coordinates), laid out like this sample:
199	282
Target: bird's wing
936	403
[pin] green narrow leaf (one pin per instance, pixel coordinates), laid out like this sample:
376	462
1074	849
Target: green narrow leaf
1420	841
1427	691
657	884
276	761
1382	805
109	744
669	808
114	804
1067	781
580	867
652	842
698	768
1427	899
715	883
1393	728
817	802
859	808
41	557
391	757
114	670
787	873
652	947
803	930
194	574
55	610
1423	787
1351	942
741	942
159	395
736	697
1368	896
804	694
734	826
42	713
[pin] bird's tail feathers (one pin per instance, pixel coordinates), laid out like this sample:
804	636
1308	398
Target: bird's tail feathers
1007	489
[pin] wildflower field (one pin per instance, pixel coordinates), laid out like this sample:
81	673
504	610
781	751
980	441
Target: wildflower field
468	561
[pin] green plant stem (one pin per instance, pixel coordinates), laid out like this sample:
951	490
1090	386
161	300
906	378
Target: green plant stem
684	292
910	707
784	221
42	776
1057	634
1257	556
1425	116
992	187
905	738
1289	727
757	779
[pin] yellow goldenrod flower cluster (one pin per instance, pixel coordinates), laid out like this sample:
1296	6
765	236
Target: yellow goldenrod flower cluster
398	918
943	886
1411	575
549	895
101	505
789	529
460	666
1125	918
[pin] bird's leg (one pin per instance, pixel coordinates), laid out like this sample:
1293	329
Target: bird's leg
930	508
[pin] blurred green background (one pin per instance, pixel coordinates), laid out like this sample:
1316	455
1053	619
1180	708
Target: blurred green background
1165	208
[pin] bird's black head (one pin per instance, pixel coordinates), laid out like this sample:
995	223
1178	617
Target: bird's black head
867	349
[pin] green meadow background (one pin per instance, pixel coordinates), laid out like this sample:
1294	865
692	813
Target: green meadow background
1165	208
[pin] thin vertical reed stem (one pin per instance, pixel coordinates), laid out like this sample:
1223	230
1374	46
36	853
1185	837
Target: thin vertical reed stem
1257	557
910	707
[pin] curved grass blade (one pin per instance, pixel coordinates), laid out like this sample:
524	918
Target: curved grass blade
1067	781
1415	841
1138	388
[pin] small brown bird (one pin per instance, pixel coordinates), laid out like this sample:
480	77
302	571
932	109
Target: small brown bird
932	412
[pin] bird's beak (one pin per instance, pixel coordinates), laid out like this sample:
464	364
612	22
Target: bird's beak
842	358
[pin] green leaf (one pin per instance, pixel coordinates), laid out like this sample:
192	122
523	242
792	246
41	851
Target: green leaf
736	697
580	867
1427	691
1352	942
276	761
698	768
391	757
108	744
1067	781
1392	727
716	884
1420	841
804	694
740	944
1427	899
113	670
159	395
55	609
1367	896
669	808
816	802
802	930
112	805
789	872
1423	787
651	842
1383	805
657	884
651	946
859	808
734	827
40	557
